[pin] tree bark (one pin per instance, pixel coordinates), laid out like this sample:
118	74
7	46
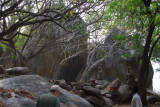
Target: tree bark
144	71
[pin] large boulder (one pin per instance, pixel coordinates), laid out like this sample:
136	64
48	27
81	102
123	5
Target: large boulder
32	83
116	64
51	63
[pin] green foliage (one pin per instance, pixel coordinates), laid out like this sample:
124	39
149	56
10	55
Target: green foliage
100	56
103	51
119	37
20	41
137	43
156	52
140	61
4	47
131	16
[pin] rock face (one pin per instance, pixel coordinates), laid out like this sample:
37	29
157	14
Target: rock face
116	65
47	64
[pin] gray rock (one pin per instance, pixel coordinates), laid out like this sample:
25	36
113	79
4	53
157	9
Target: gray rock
125	93
62	105
91	91
82	94
70	99
100	82
108	96
153	99
18	71
19	102
98	86
65	86
157	104
95	101
59	81
105	85
106	90
108	101
33	83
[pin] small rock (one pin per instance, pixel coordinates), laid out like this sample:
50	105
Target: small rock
108	96
95	101
108	101
157	104
18	71
98	86
91	91
82	94
153	99
105	91
105	85
59	81
65	86
100	82
125	93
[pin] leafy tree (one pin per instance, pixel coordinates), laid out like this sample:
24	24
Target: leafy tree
140	18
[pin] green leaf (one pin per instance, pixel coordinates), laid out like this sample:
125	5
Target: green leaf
100	56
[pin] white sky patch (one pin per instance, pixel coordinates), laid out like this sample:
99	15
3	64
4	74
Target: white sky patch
156	77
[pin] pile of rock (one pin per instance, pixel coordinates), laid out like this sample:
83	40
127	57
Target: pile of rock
87	92
99	93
